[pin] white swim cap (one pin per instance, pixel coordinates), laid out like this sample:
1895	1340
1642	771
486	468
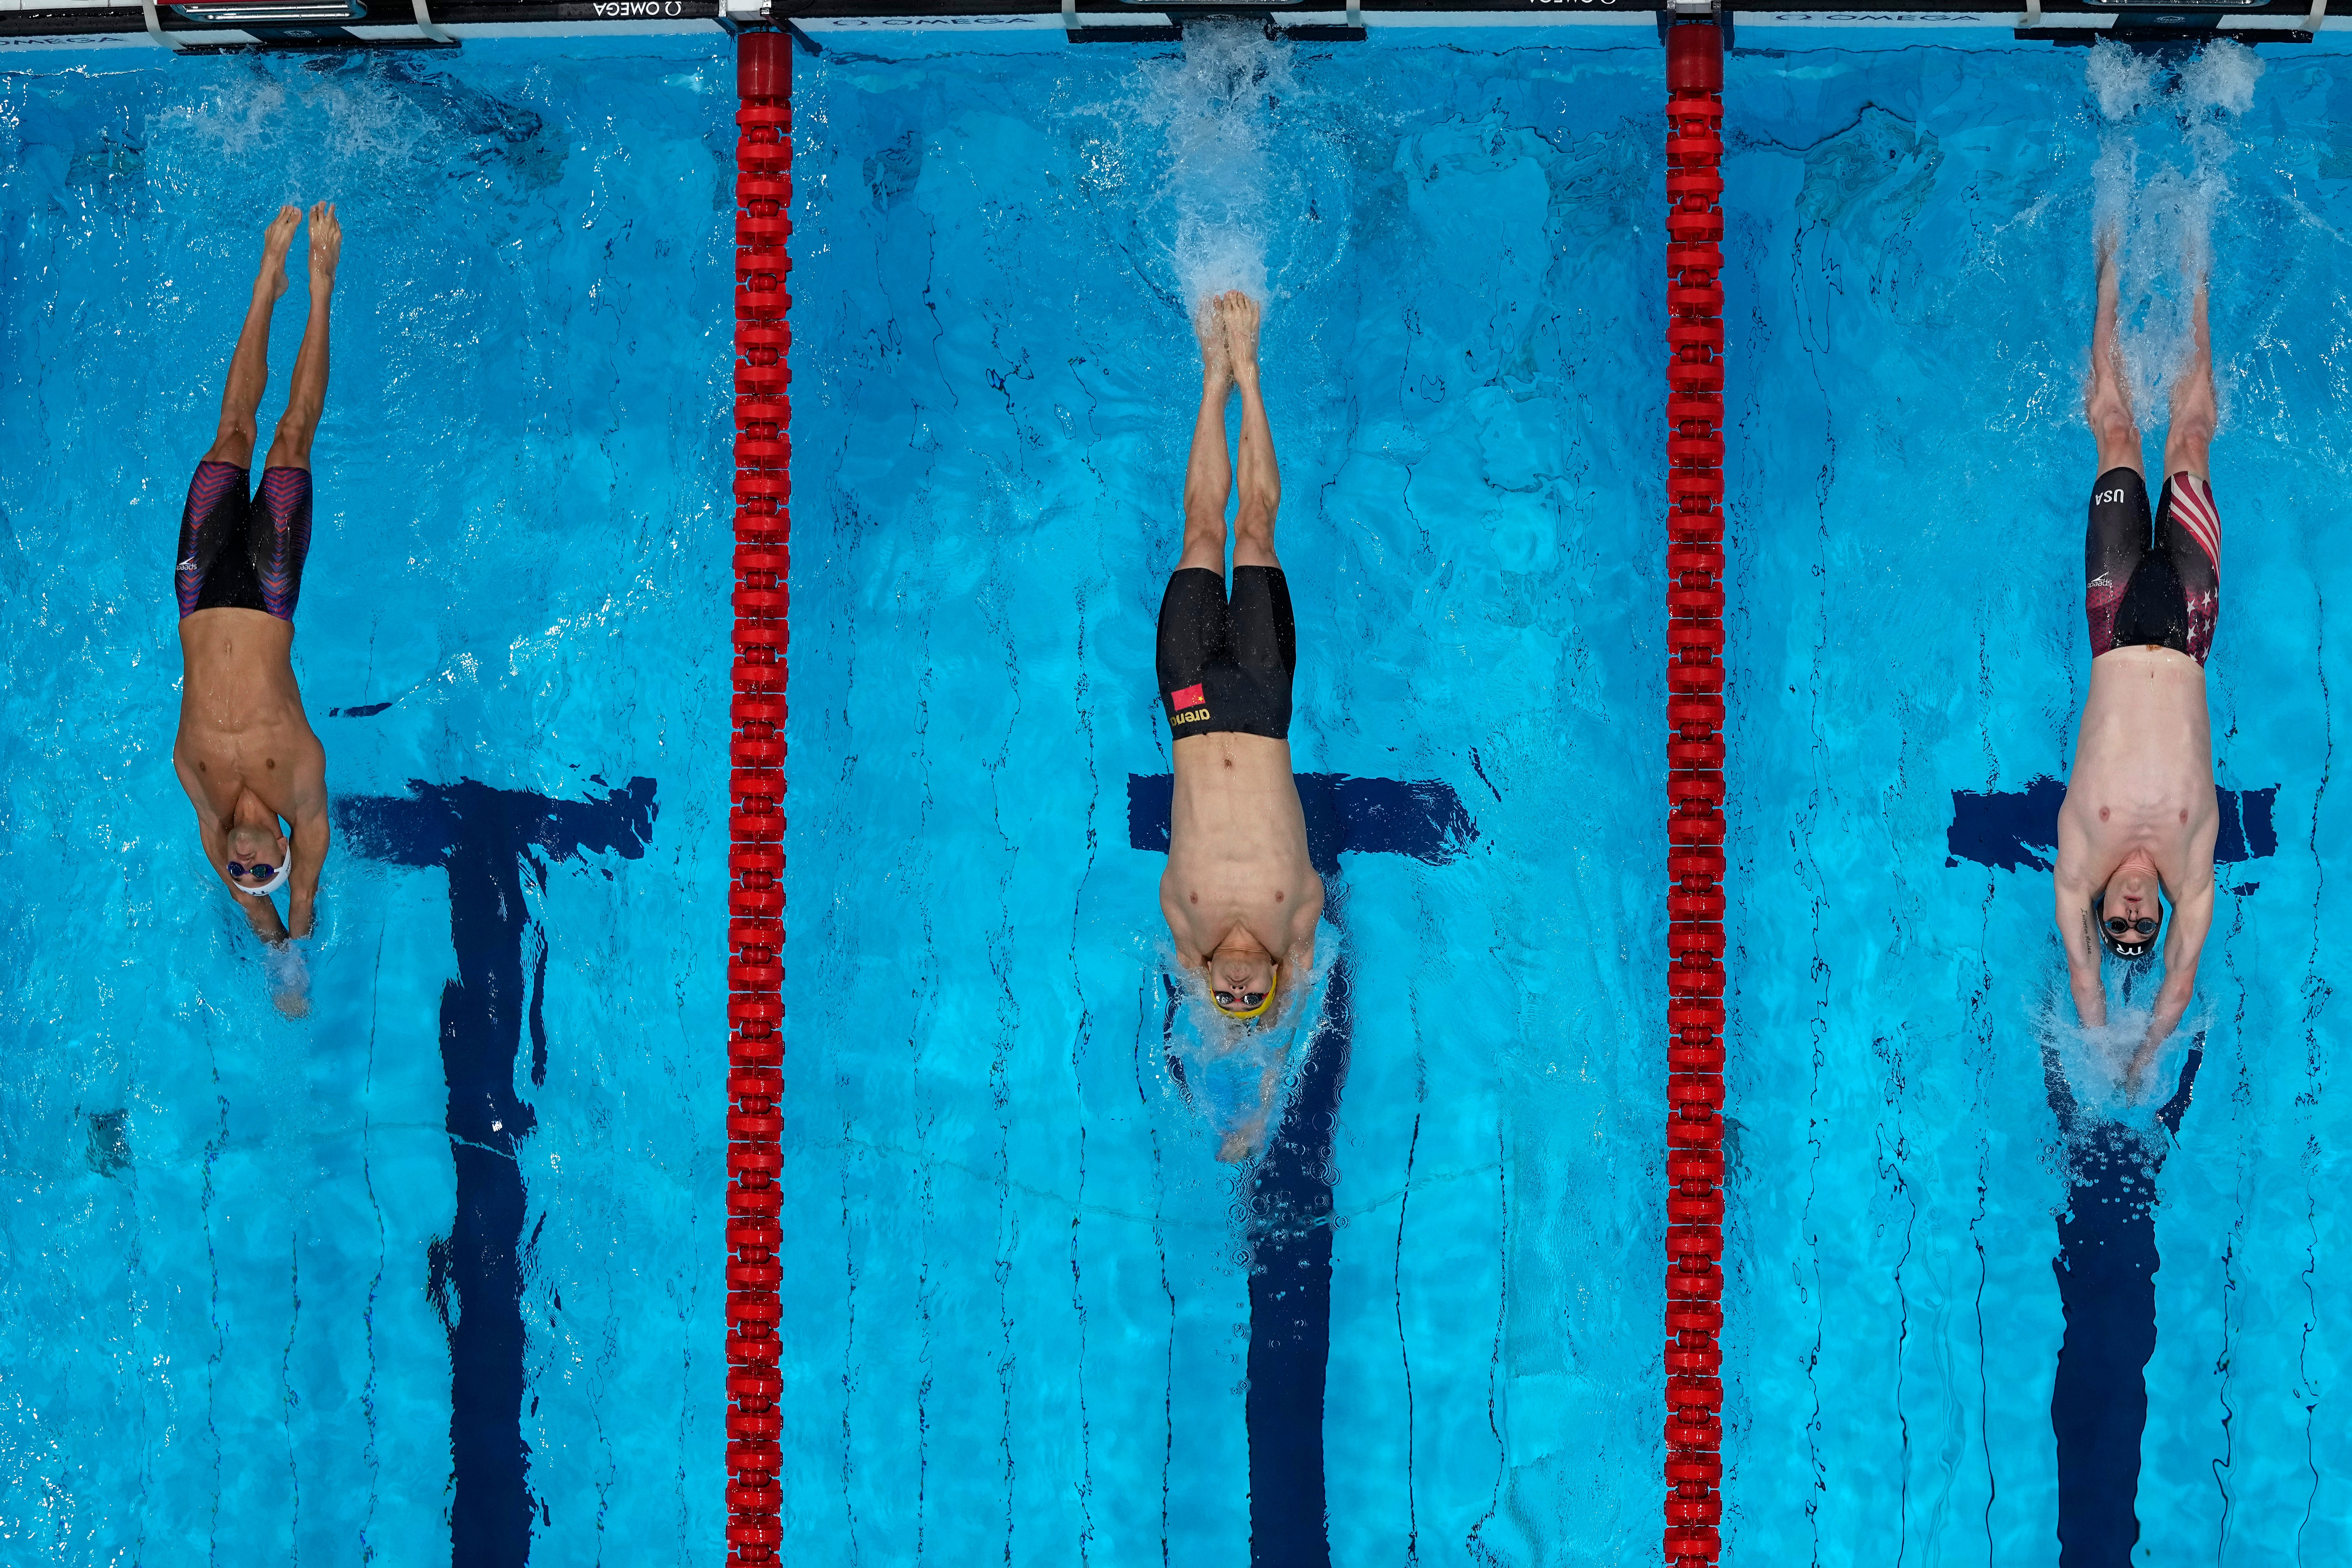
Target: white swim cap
284	869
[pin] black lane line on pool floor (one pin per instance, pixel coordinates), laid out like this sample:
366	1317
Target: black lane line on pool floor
2106	1258
484	838
2012	830
1290	1190
2106	1267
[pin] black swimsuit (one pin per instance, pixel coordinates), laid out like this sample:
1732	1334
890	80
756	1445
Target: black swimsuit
1226	666
2152	585
240	552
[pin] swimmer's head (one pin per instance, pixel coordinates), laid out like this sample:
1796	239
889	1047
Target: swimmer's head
2129	911
257	859
1242	985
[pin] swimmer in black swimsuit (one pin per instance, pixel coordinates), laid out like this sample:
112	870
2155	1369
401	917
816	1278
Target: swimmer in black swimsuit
2140	816
246	753
1239	894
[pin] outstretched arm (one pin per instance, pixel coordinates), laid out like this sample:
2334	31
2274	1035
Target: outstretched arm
2074	916
1299	958
2072	891
310	839
2184	944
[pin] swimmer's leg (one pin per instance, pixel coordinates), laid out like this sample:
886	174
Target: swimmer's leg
249	368
291	447
1208	474
2118	534
1261	477
2106	400
2189	444
2189	523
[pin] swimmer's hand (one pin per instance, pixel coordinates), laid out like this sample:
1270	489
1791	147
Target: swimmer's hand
290	979
1238	1146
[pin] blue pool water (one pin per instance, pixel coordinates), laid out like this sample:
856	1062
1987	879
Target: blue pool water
232	1241
252	1266
1912	299
1024	1320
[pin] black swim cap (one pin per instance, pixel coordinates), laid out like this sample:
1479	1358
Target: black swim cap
2128	951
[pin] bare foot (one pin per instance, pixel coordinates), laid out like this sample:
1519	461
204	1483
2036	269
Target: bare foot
326	245
1216	359
1239	313
276	241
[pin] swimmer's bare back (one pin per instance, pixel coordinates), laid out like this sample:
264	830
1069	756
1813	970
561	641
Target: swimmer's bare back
1238	877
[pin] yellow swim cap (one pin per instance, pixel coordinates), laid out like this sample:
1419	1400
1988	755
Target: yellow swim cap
1264	1003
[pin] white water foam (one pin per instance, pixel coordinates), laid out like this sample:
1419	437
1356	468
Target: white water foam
2161	179
1236	1077
2122	81
1236	180
374	134
2094	1058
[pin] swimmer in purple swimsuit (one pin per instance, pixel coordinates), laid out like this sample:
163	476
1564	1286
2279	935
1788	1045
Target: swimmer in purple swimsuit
246	753
2140	815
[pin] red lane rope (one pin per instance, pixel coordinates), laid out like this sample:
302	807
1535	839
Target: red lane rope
755	856
1695	758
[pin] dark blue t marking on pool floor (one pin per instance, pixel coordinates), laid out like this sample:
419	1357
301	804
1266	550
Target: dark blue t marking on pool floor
2012	829
2106	1258
1290	1194
484	838
2106	1267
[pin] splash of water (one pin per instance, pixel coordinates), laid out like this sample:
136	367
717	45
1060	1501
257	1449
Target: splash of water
1239	1078
372	131
2162	178
1234	172
2094	1058
2122	81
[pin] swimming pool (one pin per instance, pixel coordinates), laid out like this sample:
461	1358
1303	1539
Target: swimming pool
1027	1311
251	1262
1909	660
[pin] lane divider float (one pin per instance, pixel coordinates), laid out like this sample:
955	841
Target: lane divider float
1695	794
755	856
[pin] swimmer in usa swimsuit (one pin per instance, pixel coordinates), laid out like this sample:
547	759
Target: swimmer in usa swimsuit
2140	815
245	753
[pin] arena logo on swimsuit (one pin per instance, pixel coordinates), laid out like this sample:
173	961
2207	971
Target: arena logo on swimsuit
1188	706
